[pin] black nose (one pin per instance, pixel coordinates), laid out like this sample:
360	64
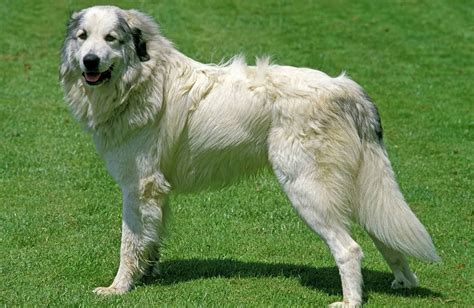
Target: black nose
91	62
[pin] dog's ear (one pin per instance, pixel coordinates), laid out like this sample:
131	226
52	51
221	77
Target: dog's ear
66	52
76	14
143	28
73	22
140	45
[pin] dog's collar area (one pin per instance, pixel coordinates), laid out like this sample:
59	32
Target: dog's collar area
96	78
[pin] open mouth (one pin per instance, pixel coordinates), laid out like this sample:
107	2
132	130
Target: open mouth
96	78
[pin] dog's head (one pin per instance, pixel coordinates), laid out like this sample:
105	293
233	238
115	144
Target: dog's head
102	42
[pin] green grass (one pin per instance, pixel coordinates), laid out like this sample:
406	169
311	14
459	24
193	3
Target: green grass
60	211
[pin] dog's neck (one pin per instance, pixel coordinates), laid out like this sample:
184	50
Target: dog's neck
101	109
111	111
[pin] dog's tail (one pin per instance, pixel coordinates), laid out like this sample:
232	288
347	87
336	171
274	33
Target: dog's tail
383	211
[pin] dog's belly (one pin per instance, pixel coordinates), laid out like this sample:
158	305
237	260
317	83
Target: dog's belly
215	168
220	144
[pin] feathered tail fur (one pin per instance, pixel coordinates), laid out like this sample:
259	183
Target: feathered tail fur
383	211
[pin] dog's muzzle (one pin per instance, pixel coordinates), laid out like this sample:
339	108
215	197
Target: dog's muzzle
93	76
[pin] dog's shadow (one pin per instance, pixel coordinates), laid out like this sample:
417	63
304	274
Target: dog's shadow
325	279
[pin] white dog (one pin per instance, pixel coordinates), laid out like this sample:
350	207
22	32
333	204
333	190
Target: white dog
163	122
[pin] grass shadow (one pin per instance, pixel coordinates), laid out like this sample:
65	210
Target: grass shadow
324	279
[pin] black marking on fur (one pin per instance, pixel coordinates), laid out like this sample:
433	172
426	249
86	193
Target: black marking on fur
376	117
140	45
378	126
364	116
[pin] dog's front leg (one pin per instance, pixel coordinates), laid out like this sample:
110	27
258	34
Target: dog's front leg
142	221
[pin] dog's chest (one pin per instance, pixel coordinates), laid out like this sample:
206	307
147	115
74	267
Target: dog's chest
129	161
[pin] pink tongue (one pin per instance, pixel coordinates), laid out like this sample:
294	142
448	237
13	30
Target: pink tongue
91	77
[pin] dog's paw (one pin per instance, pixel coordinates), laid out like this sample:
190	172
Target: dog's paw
109	291
404	283
344	305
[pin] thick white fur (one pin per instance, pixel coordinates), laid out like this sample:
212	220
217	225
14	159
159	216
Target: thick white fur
171	123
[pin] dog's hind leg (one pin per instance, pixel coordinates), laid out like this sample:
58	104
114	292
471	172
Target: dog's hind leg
404	277
320	198
313	203
142	226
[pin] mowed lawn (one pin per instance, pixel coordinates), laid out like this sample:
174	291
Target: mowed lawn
242	246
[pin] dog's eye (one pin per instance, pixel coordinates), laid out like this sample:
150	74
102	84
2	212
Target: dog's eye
110	38
83	35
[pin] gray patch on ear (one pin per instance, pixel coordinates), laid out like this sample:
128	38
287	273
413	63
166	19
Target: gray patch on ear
123	27
73	23
71	28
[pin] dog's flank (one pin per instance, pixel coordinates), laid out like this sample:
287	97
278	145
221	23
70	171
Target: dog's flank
164	122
